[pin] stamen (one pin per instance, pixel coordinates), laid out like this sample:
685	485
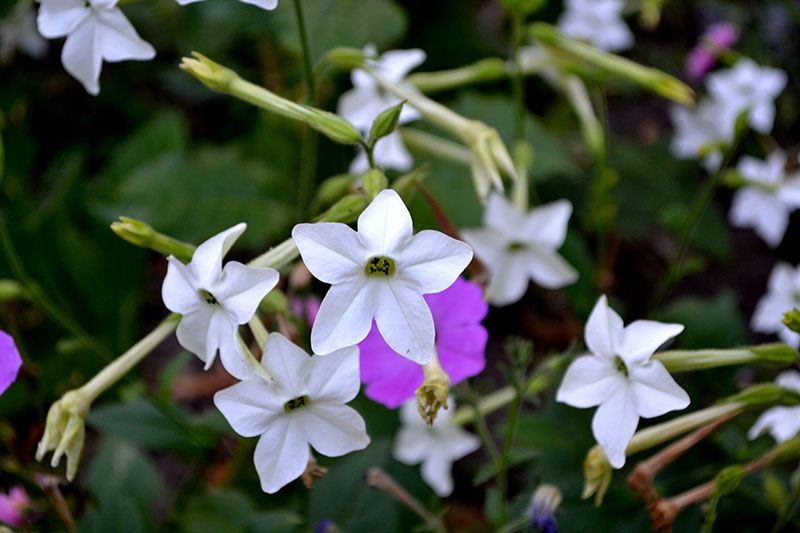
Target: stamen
621	366
208	297
296	403
380	266
516	246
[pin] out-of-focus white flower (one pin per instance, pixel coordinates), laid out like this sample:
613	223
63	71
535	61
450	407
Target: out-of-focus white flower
783	295
768	199
597	21
748	87
620	377
18	32
380	273
263	4
96	31
437	447
700	133
214	301
516	247
366	100
783	423
304	405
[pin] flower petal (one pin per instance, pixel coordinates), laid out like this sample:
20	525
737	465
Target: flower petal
655	391
389	378
789	380
242	288
589	381
118	39
334	377
396	64
249	406
490	246
385	225
263	4
457	441
508	279
614	424
179	291
405	321
192	331
546	226
10	361
333	429
281	454
391	152
432	261
603	330
344	317
768	315
207	259
288	365
549	269
81	55
436	471
234	360
640	339
783	423
331	251
220	335
58	18
502	216
762	211
412	444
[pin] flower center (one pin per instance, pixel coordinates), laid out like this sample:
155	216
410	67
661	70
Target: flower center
208	297
380	266
296	403
621	366
516	246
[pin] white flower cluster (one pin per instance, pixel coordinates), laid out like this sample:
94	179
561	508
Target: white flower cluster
599	22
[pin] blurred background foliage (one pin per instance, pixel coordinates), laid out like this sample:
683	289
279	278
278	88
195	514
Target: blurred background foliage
158	146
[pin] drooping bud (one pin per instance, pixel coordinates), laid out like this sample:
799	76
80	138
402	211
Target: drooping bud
65	431
432	394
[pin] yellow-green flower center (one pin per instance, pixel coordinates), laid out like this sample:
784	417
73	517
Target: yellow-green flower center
380	266
296	403
516	246
208	297
621	366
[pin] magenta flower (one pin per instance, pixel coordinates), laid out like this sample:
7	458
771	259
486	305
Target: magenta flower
10	361
702	58
13	505
460	342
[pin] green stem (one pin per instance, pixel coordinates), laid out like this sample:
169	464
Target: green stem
435	145
518	78
508	439
308	69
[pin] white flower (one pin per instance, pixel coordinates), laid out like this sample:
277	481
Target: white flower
263	4
783	423
18	32
366	100
214	301
748	87
783	295
437	447
380	273
597	21
304	405
516	247
620	377
766	203
96	31
701	132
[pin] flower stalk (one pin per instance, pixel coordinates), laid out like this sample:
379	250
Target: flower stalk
778	355
143	235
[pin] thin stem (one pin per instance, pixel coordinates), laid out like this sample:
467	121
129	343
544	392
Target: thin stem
435	145
379	479
508	439
518	78
483	431
308	69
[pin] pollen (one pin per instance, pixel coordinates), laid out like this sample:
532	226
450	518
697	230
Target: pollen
208	297
380	266
621	366
296	403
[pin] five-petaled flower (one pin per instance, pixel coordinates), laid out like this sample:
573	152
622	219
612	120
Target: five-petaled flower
701	132
783	295
10	361
597	21
214	301
620	377
436	446
96	31
783	423
303	405
380	273
516	247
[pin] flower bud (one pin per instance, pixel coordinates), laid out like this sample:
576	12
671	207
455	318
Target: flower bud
10	290
143	235
374	181
406	185
346	58
596	475
331	190
792	320
544	503
385	123
345	210
65	431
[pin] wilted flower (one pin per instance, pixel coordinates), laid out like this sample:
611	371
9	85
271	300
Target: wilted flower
18	32
783	289
10	361
597	21
620	377
783	423
96	31
13	506
702	58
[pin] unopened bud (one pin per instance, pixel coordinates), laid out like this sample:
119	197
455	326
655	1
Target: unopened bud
374	181
345	58
211	73
597	473
385	123
143	235
792	320
331	190
406	185
544	504
345	210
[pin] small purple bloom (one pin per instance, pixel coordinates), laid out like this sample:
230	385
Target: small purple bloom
544	503
10	361
702	58
305	308
13	506
460	343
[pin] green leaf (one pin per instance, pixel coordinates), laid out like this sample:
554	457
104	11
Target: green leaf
231	510
385	123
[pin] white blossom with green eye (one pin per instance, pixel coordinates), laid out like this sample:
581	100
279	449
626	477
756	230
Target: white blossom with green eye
783	423
214	301
379	273
597	21
701	132
783	295
620	376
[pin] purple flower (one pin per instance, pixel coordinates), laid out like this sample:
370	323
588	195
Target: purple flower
460	342
702	58
305	308
13	505
10	361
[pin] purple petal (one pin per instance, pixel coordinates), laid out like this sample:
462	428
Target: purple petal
10	361
389	378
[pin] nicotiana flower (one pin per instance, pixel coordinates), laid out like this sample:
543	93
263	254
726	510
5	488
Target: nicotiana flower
768	199
18	32
214	301
620	377
96	31
717	38
747	87
460	344
366	100
437	447
304	405
701	132
516	247
380	273
783	295
13	506
597	21
10	361
263	4
783	423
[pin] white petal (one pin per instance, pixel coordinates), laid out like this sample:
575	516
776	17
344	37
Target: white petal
242	288
502	216
783	423
333	429
546	226
281	455
603	330
762	211
391	152
263	4
178	291
207	259
614	424
655	391
789	380
789	337
508	279
396	64
789	193
436	473
360	164
344	317
332	251
432	261
762	117
81	55
249	406
404	321
58	18
288	365
118	40
361	105
549	269
768	316
456	441
782	278
640	339
192	332
385	225
234	360
221	335
412	445
589	381
489	245
334	377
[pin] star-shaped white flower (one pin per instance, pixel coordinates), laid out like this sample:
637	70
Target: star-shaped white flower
366	100
263	4
214	301
783	295
380	273
597	21
437	447
96	31
783	423
516	247
748	87
701	132
304	405
620	377
766	203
